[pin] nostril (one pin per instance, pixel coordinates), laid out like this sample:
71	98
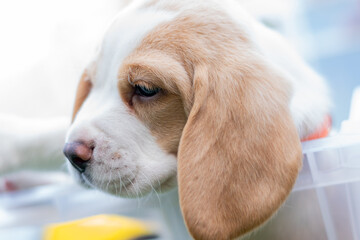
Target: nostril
82	152
78	154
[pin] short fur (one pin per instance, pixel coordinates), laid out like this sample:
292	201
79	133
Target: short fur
242	149
235	100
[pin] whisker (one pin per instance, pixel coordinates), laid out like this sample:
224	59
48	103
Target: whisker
102	180
124	185
158	180
115	189
137	194
138	188
153	189
107	185
120	183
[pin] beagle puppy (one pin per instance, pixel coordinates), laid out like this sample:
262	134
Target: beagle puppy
199	95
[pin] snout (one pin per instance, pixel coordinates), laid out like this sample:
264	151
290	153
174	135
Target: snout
79	154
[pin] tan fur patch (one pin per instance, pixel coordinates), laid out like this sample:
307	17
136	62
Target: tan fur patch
82	92
165	115
239	152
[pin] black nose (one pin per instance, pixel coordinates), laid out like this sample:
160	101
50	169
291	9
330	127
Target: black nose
78	154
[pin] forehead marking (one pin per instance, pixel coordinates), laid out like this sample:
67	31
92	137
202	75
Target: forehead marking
122	38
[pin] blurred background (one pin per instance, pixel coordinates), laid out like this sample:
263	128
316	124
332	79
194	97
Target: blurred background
327	34
329	38
45	44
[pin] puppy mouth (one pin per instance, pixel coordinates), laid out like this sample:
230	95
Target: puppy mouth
127	185
113	186
85	181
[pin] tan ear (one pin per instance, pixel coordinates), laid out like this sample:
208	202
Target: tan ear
239	153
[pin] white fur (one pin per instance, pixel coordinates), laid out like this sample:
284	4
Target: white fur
104	120
126	159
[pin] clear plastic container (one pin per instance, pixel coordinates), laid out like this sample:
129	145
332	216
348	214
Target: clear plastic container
325	201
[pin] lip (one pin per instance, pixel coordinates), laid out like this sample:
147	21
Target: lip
86	181
124	184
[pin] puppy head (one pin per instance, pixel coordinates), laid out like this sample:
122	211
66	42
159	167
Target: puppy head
196	101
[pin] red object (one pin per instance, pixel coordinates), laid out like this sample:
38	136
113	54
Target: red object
322	132
9	186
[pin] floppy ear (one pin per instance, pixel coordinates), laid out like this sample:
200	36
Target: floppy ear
239	153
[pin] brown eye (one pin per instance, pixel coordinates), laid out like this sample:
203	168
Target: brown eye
146	92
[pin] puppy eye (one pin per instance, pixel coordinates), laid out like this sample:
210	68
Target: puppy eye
145	92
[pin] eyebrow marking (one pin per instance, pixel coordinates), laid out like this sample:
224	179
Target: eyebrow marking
83	90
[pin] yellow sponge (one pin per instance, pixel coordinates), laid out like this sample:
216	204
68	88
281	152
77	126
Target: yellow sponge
100	227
